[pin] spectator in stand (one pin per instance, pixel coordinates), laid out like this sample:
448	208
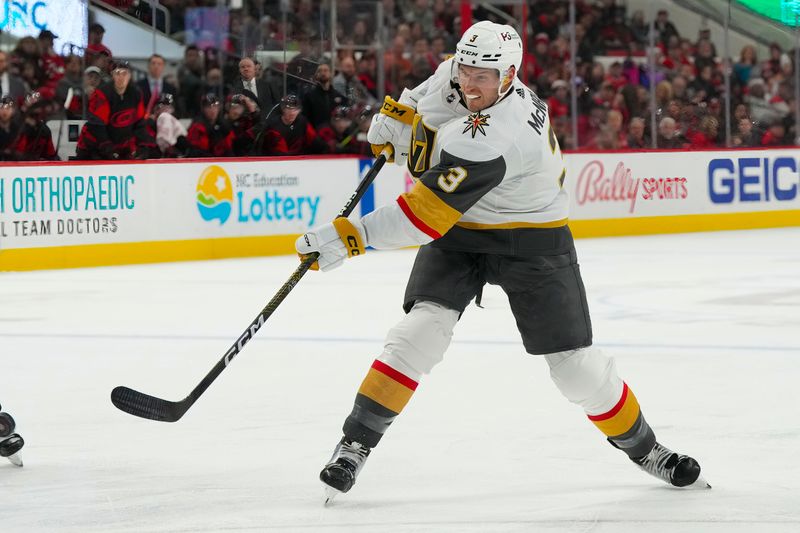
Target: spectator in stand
702	87
756	100
10	127
664	26
438	49
774	61
636	139
27	52
92	79
368	75
258	90
342	134
775	134
395	63
744	134
171	136
706	134
348	85
704	56
245	123
213	83
96	47
52	66
209	136
679	89
606	96
420	71
320	101
669	137
10	84
154	85
69	91
290	132
615	35
115	127
640	29
190	81
747	66
558	103
35	141
420	11
615	126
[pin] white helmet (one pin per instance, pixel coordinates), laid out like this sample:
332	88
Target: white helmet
489	45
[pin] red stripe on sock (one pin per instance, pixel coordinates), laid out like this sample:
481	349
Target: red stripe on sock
614	410
399	377
418	223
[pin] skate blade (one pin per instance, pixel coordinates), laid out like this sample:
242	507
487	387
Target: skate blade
15	459
330	494
699	484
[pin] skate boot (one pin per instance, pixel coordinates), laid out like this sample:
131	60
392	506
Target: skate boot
677	470
339	475
10	442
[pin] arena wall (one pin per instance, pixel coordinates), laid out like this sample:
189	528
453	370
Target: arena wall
62	215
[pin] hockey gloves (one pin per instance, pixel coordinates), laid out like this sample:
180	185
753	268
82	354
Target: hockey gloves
392	126
335	242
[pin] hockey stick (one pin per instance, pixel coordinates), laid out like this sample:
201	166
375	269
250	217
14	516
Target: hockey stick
146	406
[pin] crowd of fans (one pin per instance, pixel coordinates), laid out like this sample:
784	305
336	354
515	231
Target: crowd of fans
238	107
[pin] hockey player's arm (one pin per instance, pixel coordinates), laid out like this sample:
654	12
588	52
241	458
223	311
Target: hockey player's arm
392	125
436	202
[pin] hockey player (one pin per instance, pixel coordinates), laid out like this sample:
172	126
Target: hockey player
209	135
488	206
116	126
10	443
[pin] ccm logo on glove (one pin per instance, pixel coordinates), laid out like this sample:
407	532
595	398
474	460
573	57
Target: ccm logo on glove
350	236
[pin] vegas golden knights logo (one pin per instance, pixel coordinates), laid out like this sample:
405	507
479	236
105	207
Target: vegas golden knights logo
422	140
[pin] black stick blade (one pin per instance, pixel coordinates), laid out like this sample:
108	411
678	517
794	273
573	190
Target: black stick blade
146	406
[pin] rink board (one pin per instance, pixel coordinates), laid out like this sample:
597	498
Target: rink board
61	215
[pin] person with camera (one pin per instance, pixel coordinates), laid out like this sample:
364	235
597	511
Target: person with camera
116	127
209	136
245	123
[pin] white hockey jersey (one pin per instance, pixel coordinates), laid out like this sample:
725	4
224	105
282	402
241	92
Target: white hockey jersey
481	177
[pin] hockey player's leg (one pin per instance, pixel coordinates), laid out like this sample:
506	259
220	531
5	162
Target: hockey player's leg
413	347
10	442
589	378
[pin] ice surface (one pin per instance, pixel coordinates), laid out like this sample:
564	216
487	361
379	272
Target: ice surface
704	328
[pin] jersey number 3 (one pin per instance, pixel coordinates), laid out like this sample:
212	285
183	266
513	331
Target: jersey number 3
449	182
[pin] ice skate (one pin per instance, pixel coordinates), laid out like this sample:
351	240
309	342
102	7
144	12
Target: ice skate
339	475
10	443
673	468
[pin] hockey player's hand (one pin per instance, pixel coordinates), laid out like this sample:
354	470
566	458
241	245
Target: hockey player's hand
392	126
334	242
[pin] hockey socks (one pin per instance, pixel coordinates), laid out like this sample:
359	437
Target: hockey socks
625	426
382	396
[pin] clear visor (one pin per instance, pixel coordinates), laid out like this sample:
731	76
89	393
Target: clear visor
481	78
